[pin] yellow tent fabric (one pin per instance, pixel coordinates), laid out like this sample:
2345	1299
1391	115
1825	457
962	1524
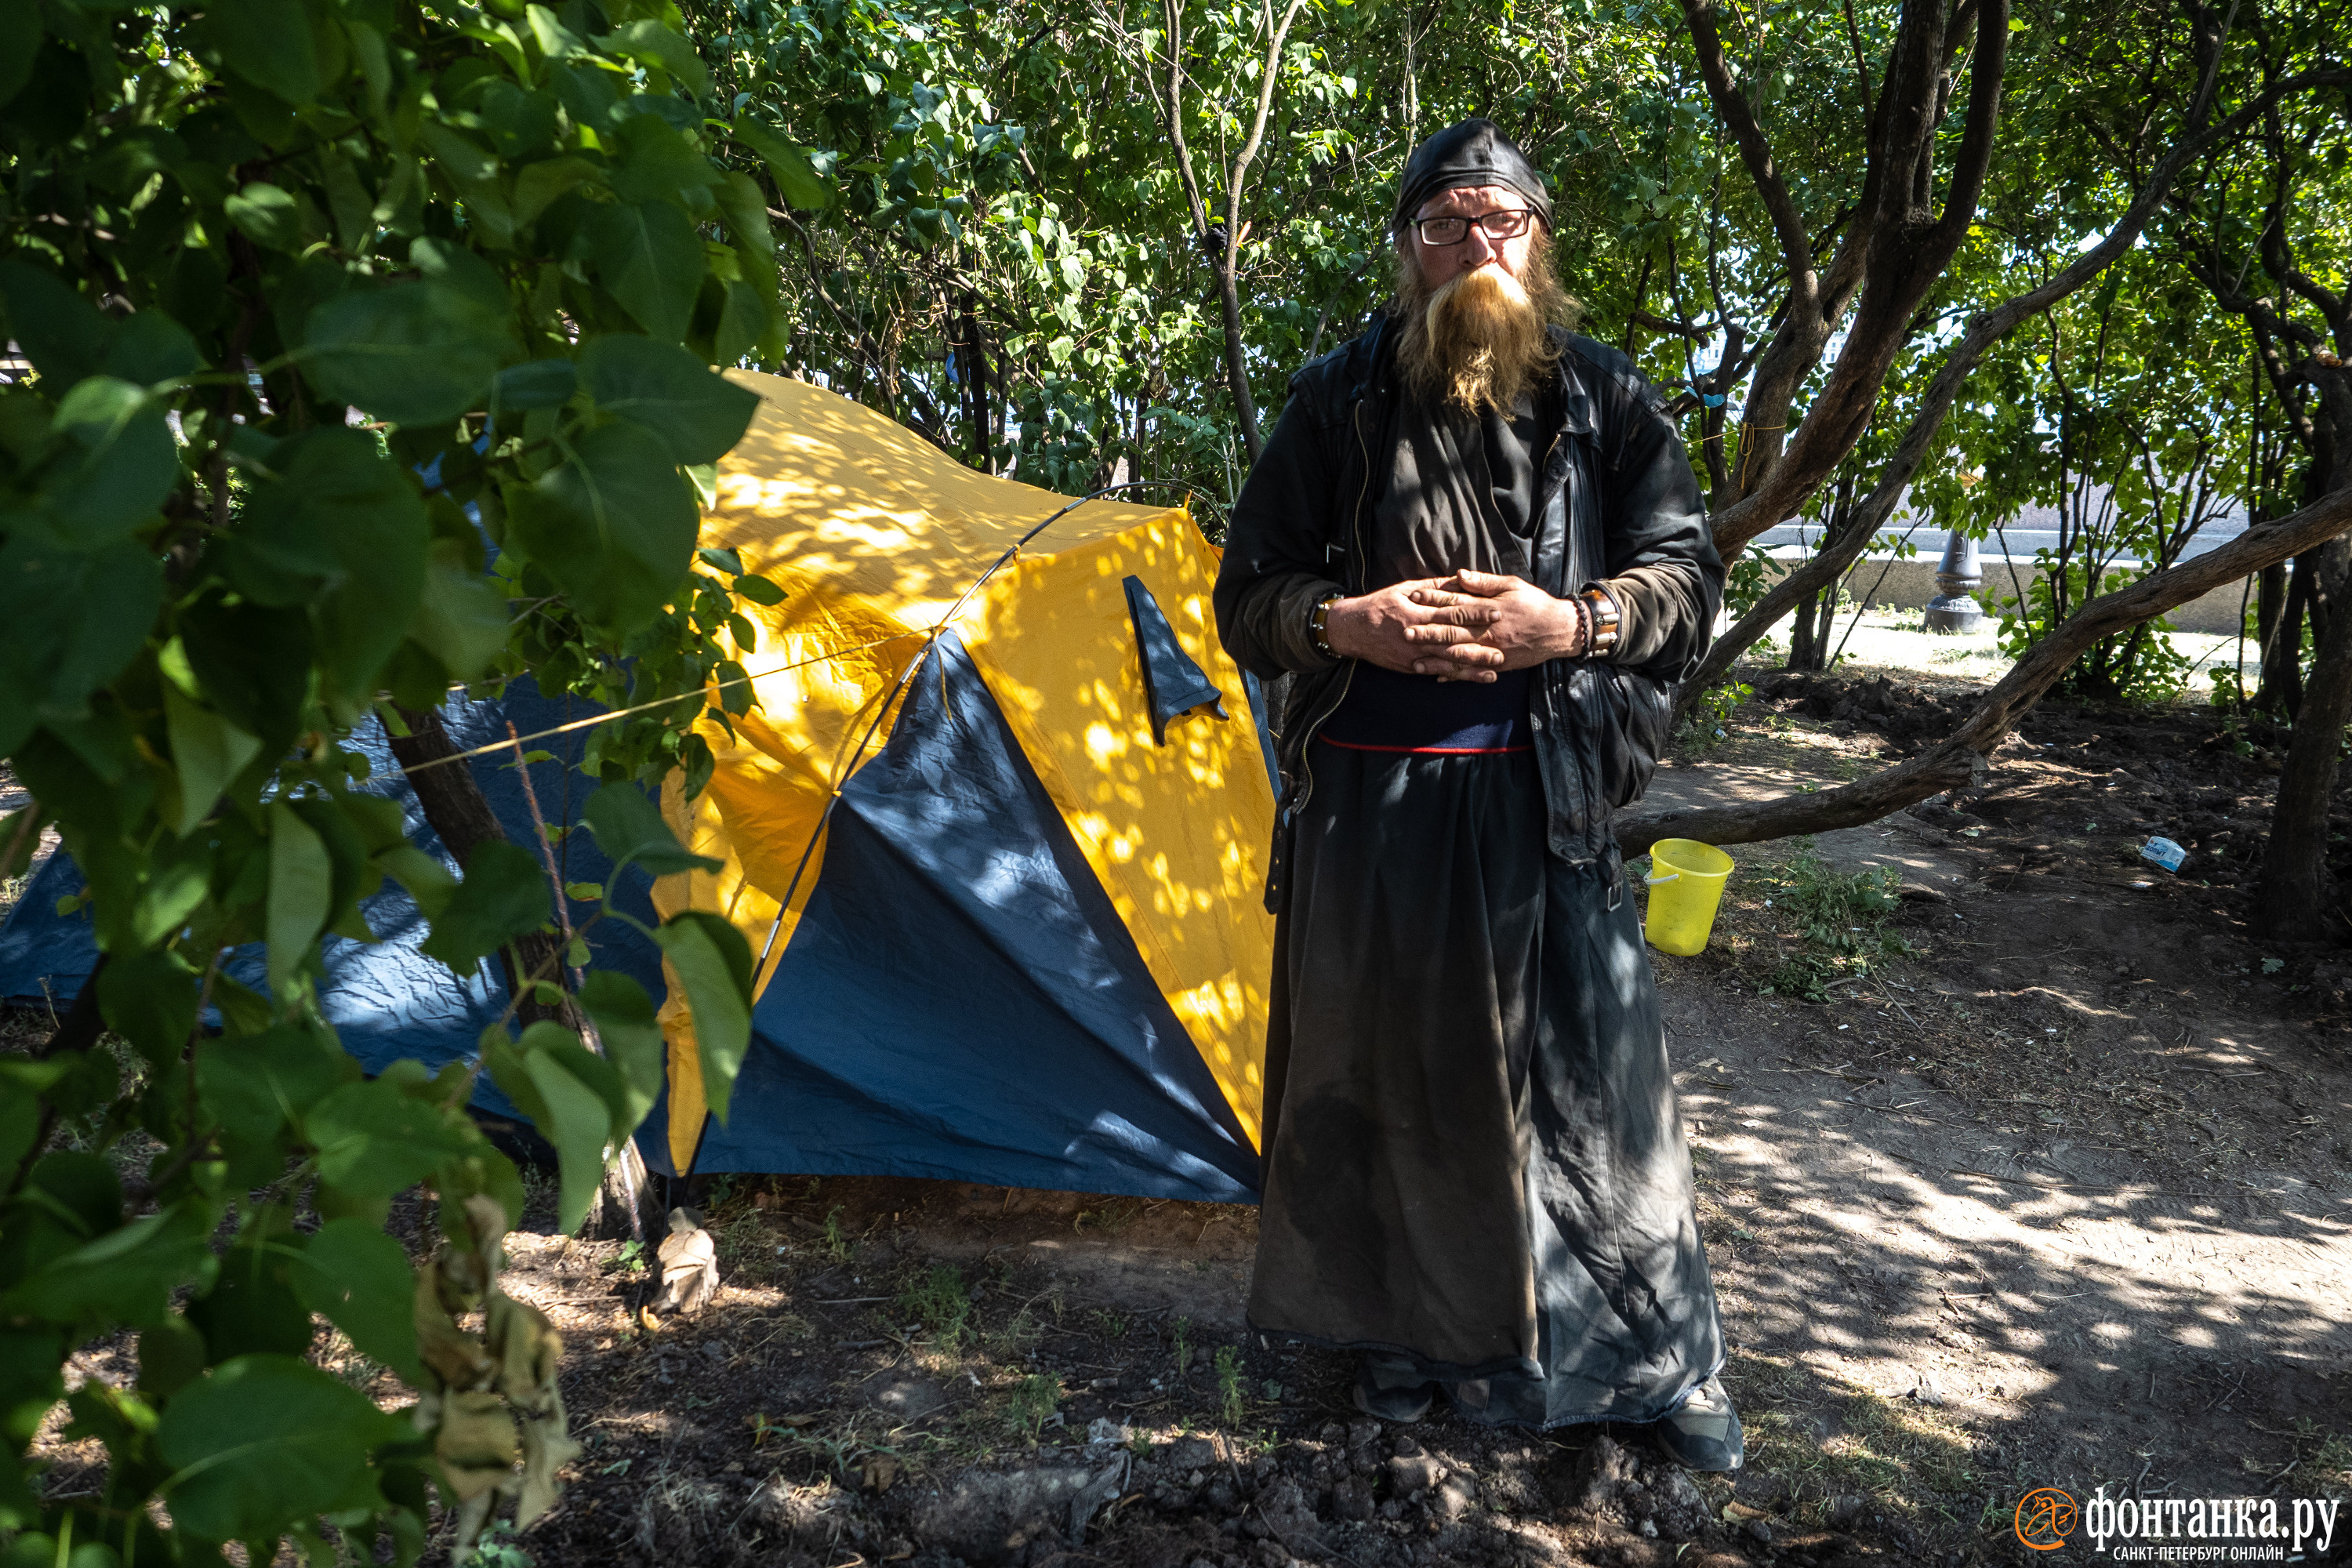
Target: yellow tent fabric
878	540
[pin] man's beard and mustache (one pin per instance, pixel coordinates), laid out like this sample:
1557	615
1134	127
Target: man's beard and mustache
1479	342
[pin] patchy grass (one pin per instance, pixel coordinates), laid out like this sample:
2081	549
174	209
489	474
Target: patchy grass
1035	1398
940	1300
1842	921
748	1250
1854	1449
1015	1340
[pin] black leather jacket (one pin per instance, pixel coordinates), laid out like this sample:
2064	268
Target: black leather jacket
1618	504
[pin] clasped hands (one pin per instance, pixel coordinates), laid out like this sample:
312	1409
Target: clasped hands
1469	626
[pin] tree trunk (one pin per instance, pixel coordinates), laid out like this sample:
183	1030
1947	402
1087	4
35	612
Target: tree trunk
974	367
1802	643
461	816
1229	300
1809	636
2295	896
2278	618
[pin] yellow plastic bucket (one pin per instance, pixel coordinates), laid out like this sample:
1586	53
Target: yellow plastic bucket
1686	885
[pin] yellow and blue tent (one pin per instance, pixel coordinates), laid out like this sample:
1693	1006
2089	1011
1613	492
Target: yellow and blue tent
995	831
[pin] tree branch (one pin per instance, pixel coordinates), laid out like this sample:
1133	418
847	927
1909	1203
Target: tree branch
1960	759
1755	149
1907	256
1983	331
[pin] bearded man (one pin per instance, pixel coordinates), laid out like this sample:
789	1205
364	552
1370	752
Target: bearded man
1475	541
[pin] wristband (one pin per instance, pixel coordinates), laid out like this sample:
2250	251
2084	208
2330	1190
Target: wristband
1319	625
1601	639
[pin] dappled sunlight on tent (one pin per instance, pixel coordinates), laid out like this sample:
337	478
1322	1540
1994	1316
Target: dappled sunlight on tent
910	700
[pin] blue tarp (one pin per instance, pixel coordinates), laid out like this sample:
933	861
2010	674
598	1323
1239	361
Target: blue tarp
385	999
959	999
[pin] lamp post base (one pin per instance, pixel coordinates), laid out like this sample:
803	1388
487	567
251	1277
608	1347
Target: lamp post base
1953	613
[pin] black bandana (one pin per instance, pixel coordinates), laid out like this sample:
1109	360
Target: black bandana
1471	154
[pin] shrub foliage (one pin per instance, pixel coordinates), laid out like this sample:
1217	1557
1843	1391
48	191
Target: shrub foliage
366	353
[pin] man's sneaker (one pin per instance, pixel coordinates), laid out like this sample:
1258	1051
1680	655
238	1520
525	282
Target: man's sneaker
1704	1434
1384	1389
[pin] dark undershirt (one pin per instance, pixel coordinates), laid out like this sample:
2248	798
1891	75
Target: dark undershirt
1388	711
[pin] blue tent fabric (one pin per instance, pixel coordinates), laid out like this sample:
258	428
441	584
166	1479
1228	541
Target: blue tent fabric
386	1000
959	999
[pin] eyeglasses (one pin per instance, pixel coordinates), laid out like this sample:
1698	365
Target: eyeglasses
1445	231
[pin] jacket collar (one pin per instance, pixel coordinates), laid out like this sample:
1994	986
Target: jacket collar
1575	390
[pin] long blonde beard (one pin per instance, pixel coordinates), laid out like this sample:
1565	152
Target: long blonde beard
1479	340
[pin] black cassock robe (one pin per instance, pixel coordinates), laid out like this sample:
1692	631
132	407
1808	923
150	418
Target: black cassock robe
1478	1168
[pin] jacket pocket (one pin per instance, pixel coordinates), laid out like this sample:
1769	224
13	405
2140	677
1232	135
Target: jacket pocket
1628	719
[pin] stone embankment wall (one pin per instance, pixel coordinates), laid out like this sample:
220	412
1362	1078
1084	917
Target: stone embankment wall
1909	584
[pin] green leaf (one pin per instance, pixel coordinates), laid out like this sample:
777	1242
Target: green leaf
427	880
556	41
62	333
150	999
698	413
267	1440
21	1112
414	354
174	888
658	163
535	384
74	619
120	464
268	43
629	827
649	258
462	618
714	963
358	1279
20	40
344	530
802	188
569	1114
614	525
759	590
537	185
150	347
266	215
251	1308
126	1275
650	43
256	1086
302	894
629	1029
725	560
20	838
208	750
504	895
374	1140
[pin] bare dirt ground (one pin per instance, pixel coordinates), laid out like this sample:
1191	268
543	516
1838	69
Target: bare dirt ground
2052	1189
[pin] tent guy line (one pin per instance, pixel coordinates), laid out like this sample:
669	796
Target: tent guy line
595	719
929	638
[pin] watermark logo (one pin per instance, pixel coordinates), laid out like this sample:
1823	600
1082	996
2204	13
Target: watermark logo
2045	1517
2179	1530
